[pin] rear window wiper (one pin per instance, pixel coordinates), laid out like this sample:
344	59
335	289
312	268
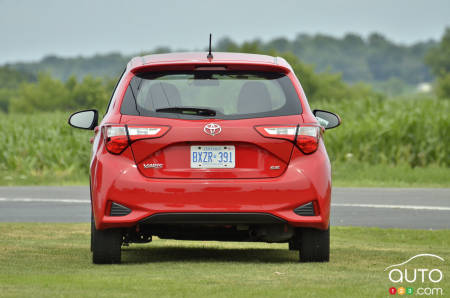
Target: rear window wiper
188	111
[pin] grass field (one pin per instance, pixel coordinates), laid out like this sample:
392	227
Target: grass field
357	174
402	142
53	260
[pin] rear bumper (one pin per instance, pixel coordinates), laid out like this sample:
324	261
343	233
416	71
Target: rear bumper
212	218
307	179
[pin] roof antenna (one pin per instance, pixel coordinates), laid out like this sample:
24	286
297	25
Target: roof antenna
210	56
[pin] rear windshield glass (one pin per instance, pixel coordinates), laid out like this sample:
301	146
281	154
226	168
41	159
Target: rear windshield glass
223	94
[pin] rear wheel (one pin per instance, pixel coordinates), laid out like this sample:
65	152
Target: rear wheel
314	244
105	245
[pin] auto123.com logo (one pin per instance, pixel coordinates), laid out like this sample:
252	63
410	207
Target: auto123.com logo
415	281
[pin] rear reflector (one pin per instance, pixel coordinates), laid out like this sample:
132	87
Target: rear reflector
119	210
305	210
306	137
119	137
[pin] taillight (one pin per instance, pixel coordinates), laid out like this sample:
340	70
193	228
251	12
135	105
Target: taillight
116	139
119	137
145	132
306	137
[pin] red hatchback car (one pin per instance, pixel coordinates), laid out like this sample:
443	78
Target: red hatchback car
221	148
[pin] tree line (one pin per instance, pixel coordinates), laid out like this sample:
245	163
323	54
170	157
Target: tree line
76	83
438	58
44	92
371	59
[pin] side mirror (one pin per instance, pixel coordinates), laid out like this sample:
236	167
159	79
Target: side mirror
327	119
87	119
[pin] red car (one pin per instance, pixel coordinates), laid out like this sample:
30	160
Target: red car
198	147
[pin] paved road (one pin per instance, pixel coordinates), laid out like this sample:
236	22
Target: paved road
414	208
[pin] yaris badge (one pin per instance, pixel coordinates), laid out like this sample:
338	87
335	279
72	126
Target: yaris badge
212	129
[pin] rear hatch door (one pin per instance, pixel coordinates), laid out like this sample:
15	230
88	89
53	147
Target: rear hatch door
212	148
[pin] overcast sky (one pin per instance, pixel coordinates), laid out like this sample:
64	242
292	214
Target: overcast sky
31	29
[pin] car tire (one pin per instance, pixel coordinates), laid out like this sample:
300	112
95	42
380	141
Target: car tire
106	245
314	245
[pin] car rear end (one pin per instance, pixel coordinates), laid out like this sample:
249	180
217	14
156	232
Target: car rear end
217	149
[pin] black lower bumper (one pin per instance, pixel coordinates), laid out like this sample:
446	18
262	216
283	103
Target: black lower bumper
212	218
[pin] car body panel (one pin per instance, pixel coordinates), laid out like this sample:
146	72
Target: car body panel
147	196
255	154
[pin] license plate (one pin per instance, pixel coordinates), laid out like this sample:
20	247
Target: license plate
212	157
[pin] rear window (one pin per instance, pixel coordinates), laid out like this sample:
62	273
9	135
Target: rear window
228	95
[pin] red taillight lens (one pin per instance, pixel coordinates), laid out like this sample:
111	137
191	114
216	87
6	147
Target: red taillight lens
306	137
119	137
116	139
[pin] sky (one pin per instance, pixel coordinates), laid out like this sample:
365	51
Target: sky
30	30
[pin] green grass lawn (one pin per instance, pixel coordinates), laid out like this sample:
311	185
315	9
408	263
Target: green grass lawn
54	260
353	174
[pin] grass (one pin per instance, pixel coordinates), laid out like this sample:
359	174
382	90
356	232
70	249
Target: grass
412	131
396	143
357	174
49	178
54	260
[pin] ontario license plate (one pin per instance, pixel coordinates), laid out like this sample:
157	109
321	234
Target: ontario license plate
213	157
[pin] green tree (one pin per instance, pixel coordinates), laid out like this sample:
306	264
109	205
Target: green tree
10	81
438	57
89	93
47	94
443	86
11	78
5	97
317	86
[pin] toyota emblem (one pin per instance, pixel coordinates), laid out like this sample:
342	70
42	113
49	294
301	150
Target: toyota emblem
212	129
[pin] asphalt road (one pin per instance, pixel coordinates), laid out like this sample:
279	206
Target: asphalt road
412	208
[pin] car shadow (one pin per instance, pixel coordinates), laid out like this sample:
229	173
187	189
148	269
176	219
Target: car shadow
202	254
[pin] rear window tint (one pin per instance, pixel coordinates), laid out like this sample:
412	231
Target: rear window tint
232	95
